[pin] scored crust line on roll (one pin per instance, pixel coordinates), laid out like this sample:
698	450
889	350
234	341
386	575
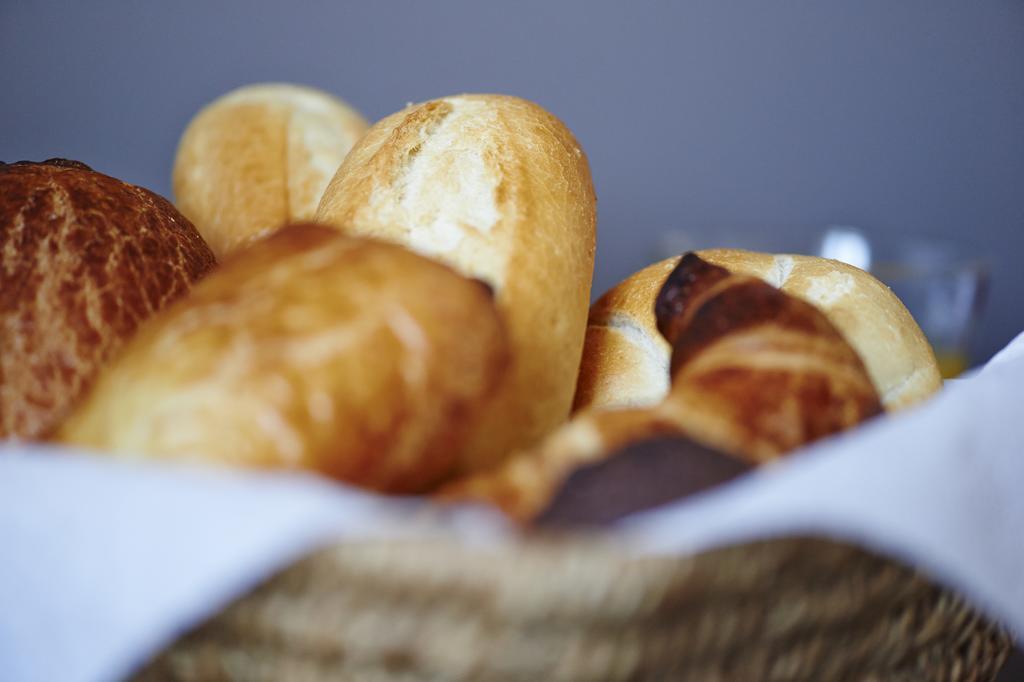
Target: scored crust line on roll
881	329
652	348
782	268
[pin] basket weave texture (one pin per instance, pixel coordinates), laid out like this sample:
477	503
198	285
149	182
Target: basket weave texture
579	609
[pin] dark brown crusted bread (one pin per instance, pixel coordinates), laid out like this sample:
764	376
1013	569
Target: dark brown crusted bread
84	258
641	475
524	484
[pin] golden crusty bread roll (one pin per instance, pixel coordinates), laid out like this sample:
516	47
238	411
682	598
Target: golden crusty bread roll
354	358
84	258
756	373
625	360
260	157
498	188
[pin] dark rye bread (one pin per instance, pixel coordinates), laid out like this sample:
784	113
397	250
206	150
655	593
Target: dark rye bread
642	475
755	370
84	258
524	485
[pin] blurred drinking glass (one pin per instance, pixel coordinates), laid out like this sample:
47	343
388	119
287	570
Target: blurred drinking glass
945	293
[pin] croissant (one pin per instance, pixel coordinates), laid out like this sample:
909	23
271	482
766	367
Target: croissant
754	370
755	373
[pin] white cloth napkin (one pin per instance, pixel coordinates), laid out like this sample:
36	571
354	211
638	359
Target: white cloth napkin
102	563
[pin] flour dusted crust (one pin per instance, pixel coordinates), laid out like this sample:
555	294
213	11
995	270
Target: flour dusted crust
260	157
498	188
84	259
625	361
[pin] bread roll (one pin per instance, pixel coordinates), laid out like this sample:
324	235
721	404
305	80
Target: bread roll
625	360
308	350
756	373
499	189
85	258
259	157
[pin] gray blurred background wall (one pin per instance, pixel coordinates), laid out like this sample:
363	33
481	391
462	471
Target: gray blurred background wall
710	116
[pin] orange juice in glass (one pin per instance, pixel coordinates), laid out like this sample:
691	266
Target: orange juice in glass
945	293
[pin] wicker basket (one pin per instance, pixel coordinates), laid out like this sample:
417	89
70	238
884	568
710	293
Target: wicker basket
578	609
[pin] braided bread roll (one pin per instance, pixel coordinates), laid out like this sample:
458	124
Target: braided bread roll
308	350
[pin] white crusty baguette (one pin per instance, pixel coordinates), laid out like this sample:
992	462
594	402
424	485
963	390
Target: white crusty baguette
625	359
498	188
260	157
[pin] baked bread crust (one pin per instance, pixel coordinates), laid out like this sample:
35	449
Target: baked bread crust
756	373
308	350
625	360
84	258
260	157
499	189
